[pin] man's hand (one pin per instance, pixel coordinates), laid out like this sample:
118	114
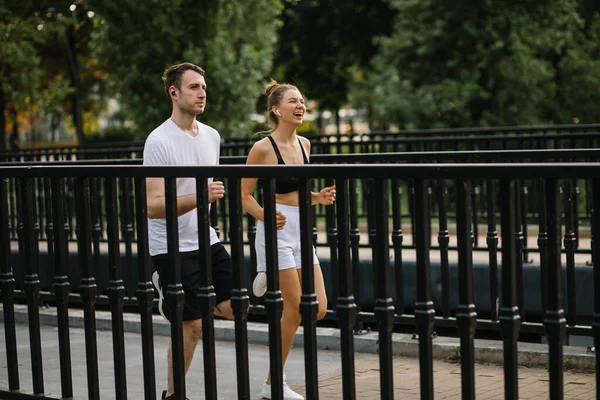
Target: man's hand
216	191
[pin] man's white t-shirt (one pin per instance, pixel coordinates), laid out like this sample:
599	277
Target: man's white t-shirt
169	145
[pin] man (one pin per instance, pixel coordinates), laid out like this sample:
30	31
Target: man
182	140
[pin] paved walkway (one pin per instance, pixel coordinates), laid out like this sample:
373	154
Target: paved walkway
489	382
489	379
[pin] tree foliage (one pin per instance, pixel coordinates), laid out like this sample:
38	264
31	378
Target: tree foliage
35	72
452	64
232	40
321	42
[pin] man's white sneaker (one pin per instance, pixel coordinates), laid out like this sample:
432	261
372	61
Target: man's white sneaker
156	283
259	286
288	393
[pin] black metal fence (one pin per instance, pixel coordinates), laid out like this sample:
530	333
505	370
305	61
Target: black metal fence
466	139
439	195
389	286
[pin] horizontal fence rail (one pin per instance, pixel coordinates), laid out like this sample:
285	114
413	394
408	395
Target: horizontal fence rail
509	139
393	303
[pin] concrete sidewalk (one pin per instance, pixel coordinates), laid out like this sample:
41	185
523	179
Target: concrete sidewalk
533	376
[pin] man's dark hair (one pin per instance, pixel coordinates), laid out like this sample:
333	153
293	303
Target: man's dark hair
172	75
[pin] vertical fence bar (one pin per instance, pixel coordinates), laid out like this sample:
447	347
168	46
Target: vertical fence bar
474	210
354	244
207	290
126	207
224	217
69	208
595	221
87	285
510	319
12	202
424	312
309	304
346	308
40	224
240	300
383	308
569	242
116	290
466	317
543	244
273	299
214	218
444	241
96	215
370	205
251	234
49	223
61	288
492	243
175	294
524	192
332	241
397	238
519	250
145	291
7	284
554	319
29	254
575	203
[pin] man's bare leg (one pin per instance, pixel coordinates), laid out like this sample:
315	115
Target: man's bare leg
191	337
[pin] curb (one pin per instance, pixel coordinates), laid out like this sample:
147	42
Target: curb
486	351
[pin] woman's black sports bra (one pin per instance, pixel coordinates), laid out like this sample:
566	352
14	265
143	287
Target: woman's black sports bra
286	185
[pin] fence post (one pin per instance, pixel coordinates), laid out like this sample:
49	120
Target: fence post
510	319
424	312
554	318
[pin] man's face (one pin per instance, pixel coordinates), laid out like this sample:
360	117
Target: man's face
191	98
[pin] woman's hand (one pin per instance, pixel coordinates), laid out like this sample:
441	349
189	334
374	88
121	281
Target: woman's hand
280	219
327	195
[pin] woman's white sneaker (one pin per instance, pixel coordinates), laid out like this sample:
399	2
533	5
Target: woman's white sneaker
288	393
259	286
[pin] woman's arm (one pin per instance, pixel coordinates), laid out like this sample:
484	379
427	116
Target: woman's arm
256	156
325	196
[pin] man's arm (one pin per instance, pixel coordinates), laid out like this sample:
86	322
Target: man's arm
155	199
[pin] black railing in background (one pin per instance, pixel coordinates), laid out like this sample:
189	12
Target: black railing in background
24	274
468	139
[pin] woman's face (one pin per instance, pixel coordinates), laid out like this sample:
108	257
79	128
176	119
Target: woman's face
291	107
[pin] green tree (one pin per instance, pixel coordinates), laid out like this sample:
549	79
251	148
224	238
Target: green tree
46	67
452	64
19	75
232	40
321	43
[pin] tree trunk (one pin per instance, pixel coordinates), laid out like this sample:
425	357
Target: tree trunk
13	140
74	72
53	127
337	121
2	121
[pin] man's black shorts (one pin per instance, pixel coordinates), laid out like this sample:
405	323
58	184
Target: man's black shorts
190	279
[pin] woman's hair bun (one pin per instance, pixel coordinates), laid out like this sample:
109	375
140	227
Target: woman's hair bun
270	87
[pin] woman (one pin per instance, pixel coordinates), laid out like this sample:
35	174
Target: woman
286	110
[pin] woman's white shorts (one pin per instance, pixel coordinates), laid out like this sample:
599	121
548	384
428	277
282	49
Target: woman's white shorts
288	241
